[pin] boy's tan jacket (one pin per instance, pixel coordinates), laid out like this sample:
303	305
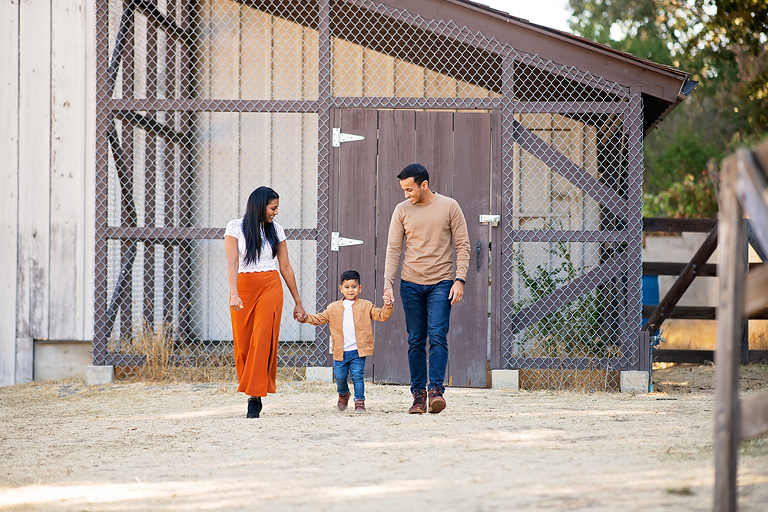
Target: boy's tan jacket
362	312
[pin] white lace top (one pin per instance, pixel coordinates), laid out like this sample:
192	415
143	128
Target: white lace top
266	262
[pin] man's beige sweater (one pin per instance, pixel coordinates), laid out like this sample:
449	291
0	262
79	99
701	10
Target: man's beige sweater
430	232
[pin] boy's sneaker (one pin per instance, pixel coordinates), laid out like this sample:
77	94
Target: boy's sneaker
419	402
436	401
343	401
359	405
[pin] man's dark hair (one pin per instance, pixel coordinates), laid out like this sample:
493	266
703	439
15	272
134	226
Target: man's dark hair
350	275
416	171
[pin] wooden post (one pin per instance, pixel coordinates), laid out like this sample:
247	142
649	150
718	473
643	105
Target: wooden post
744	345
728	332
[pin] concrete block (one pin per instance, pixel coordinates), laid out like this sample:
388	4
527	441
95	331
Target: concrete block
505	379
319	374
62	360
634	382
97	375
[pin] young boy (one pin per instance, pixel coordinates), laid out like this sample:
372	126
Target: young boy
351	336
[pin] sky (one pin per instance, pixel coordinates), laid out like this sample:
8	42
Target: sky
550	13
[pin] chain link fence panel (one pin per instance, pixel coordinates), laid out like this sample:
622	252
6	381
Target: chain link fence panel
201	102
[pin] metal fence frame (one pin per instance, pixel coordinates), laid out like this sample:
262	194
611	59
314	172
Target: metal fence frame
623	207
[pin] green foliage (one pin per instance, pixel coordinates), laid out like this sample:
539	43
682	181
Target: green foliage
676	152
724	45
687	199
573	330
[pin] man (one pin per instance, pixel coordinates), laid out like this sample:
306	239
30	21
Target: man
431	224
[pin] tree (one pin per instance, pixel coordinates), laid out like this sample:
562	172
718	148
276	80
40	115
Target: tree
722	43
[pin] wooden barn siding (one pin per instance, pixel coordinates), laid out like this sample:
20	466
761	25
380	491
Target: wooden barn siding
46	121
9	197
359	71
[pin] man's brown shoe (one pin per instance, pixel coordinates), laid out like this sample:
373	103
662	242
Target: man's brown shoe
343	401
436	401
419	402
359	405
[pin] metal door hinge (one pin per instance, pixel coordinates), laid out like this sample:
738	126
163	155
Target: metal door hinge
339	137
339	241
493	220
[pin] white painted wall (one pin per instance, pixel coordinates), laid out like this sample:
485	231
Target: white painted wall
46	143
9	194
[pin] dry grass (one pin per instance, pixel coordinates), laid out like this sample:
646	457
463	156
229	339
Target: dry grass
169	360
575	380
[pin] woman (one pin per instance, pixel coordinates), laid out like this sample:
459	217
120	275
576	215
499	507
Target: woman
256	248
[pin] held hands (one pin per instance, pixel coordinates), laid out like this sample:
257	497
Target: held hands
389	298
299	314
456	293
235	302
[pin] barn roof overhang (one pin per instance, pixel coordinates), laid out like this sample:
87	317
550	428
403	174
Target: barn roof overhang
662	87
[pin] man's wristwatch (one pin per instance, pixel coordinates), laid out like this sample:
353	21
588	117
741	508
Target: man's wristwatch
461	280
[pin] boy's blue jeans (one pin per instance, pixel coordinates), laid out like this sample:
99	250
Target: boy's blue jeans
352	365
427	314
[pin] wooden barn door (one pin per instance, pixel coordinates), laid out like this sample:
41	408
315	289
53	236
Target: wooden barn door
455	147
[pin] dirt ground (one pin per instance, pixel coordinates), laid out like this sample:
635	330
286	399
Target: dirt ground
145	446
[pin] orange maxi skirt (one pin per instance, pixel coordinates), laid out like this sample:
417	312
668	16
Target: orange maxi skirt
255	330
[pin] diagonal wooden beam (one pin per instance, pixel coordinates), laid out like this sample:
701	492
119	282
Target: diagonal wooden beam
124	174
690	272
156	17
576	174
116	301
117	52
566	294
152	126
752	190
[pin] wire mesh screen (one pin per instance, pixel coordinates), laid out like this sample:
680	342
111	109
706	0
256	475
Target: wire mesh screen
381	52
177	171
571	245
201	102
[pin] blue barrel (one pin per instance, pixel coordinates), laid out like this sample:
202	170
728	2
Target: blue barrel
649	292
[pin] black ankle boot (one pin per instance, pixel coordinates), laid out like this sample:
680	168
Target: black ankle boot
254	407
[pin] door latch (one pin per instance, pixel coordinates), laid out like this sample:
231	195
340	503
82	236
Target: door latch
339	137
493	220
339	241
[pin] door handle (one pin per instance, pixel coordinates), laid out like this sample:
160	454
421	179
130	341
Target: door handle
493	220
477	247
339	241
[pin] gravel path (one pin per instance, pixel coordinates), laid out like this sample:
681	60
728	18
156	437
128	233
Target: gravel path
145	446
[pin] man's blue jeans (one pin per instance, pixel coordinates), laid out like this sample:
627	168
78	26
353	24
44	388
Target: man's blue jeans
352	365
427	314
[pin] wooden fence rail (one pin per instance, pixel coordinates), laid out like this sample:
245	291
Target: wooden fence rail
743	190
686	273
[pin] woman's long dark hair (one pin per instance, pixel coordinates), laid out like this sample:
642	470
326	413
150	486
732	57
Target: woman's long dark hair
255	221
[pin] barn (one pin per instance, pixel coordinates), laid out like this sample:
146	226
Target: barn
137	130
